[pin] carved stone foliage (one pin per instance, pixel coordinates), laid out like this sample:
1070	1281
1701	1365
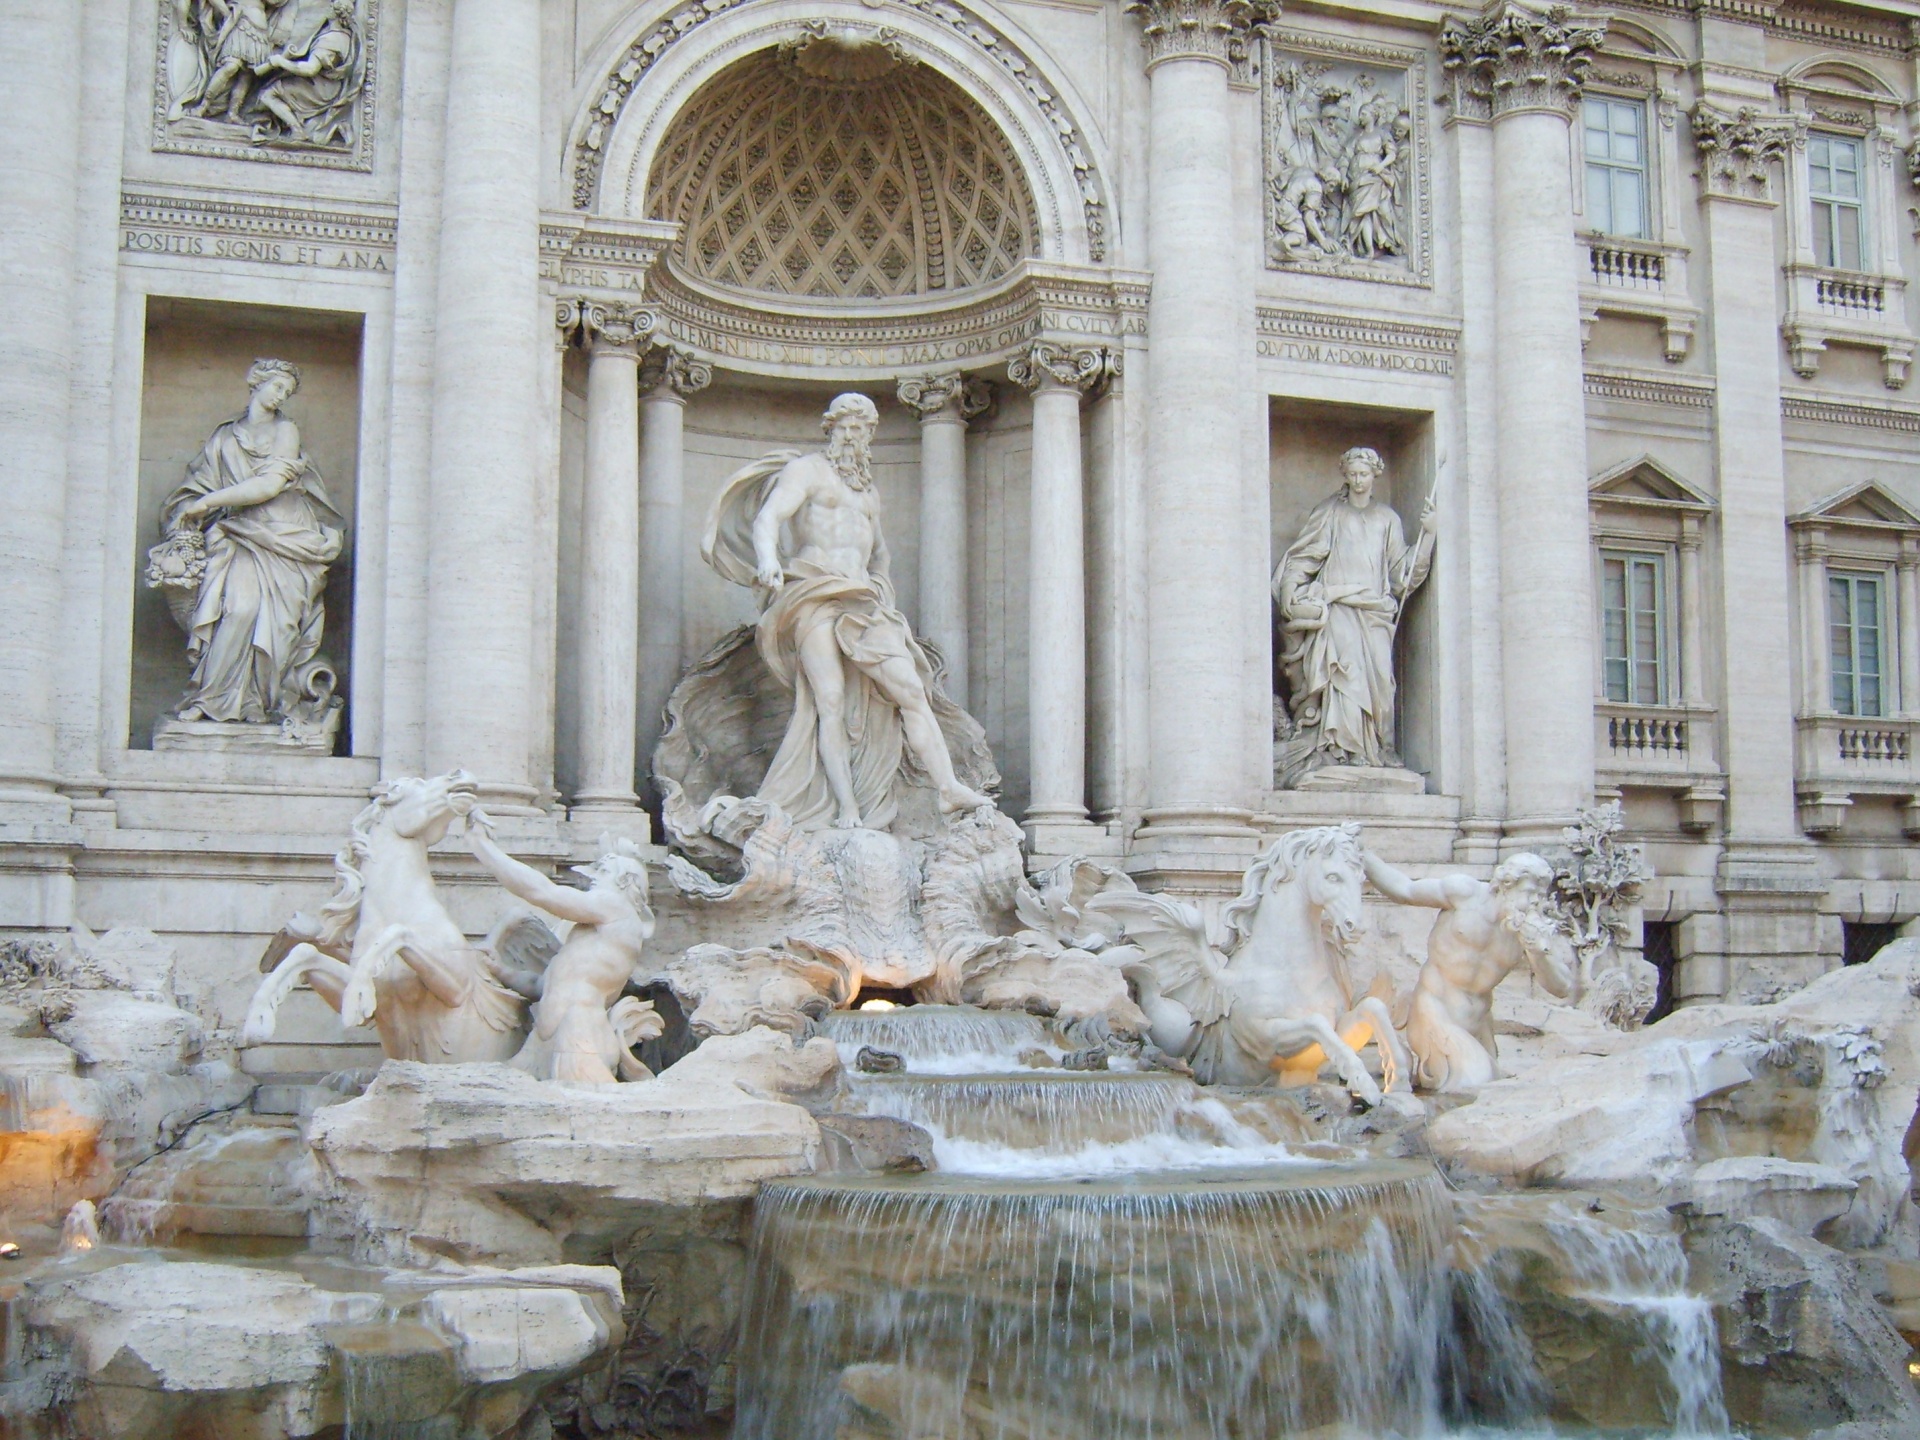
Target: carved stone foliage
867	178
1510	58
604	322
674	368
279	80
1738	152
1194	29
928	395
1344	139
1082	368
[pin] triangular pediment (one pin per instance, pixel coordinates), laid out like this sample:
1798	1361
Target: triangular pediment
1867	503
1645	481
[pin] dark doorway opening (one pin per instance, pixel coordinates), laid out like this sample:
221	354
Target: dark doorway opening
1861	942
1656	942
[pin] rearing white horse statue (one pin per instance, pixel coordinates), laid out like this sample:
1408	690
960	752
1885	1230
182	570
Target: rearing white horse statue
1276	996
385	949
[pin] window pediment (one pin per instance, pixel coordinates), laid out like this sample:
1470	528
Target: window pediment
1644	481
1866	506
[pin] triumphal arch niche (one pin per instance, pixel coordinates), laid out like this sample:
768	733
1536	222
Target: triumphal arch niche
906	210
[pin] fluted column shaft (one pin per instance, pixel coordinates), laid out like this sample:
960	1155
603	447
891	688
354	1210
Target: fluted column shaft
1523	70
40	126
487	354
610	559
1196	718
944	404
667	378
1909	574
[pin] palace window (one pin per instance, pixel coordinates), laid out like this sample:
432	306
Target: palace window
1616	155
1857	637
1836	191
1633	626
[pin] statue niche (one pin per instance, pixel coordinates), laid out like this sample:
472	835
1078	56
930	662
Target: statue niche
1338	594
246	543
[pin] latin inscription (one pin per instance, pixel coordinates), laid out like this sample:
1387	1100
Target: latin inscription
137	241
1358	357
773	352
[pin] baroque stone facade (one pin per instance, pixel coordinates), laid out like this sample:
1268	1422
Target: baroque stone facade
1628	306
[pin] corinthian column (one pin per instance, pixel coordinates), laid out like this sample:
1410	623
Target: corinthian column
667	378
1057	583
488	349
1521	71
40	121
944	404
1197	716
609	555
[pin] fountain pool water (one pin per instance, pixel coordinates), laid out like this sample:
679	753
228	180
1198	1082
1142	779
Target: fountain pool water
1126	1254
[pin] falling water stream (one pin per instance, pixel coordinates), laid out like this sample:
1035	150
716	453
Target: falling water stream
1124	1255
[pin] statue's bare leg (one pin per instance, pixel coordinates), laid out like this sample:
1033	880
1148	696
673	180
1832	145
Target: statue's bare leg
1370	1020
449	984
825	669
899	680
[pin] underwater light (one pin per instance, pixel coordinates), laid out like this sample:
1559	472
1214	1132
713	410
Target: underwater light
9	1250
878	1005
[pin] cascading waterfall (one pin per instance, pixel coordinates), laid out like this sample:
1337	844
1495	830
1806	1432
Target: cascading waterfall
1259	1305
1121	1254
941	1039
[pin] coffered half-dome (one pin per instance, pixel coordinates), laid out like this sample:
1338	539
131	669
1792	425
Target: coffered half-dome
843	170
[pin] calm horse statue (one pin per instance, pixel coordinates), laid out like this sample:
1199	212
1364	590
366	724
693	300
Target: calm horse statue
385	949
1276	996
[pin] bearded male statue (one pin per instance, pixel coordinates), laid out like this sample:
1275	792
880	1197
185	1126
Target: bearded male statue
804	532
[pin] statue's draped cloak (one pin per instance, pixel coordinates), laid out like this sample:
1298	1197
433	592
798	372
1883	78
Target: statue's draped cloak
868	627
1357	564
260	616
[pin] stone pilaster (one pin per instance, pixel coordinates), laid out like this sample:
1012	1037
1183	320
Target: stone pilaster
945	403
1198	796
488	349
667	377
609	620
1057	585
1521	71
1767	875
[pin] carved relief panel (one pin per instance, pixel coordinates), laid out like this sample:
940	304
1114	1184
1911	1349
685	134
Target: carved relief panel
290	81
1345	138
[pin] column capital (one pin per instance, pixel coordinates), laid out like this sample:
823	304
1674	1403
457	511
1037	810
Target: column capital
1510	59
674	368
1198	29
611	323
1049	366
1737	150
957	396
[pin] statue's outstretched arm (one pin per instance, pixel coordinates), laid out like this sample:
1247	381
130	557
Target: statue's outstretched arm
1404	889
580	906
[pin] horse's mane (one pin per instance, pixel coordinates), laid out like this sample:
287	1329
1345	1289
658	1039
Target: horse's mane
1277	865
341	913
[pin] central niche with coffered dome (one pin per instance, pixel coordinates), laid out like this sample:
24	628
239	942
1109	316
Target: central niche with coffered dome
842	170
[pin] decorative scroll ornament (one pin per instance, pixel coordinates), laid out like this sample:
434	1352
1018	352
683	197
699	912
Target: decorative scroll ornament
608	322
928	395
674	368
1083	369
1737	152
1512	59
1197	29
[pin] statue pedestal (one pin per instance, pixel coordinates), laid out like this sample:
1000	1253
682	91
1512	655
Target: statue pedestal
1353	779
237	737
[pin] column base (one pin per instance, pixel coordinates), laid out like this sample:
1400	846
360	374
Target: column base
593	815
498	797
1060	832
1194	849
